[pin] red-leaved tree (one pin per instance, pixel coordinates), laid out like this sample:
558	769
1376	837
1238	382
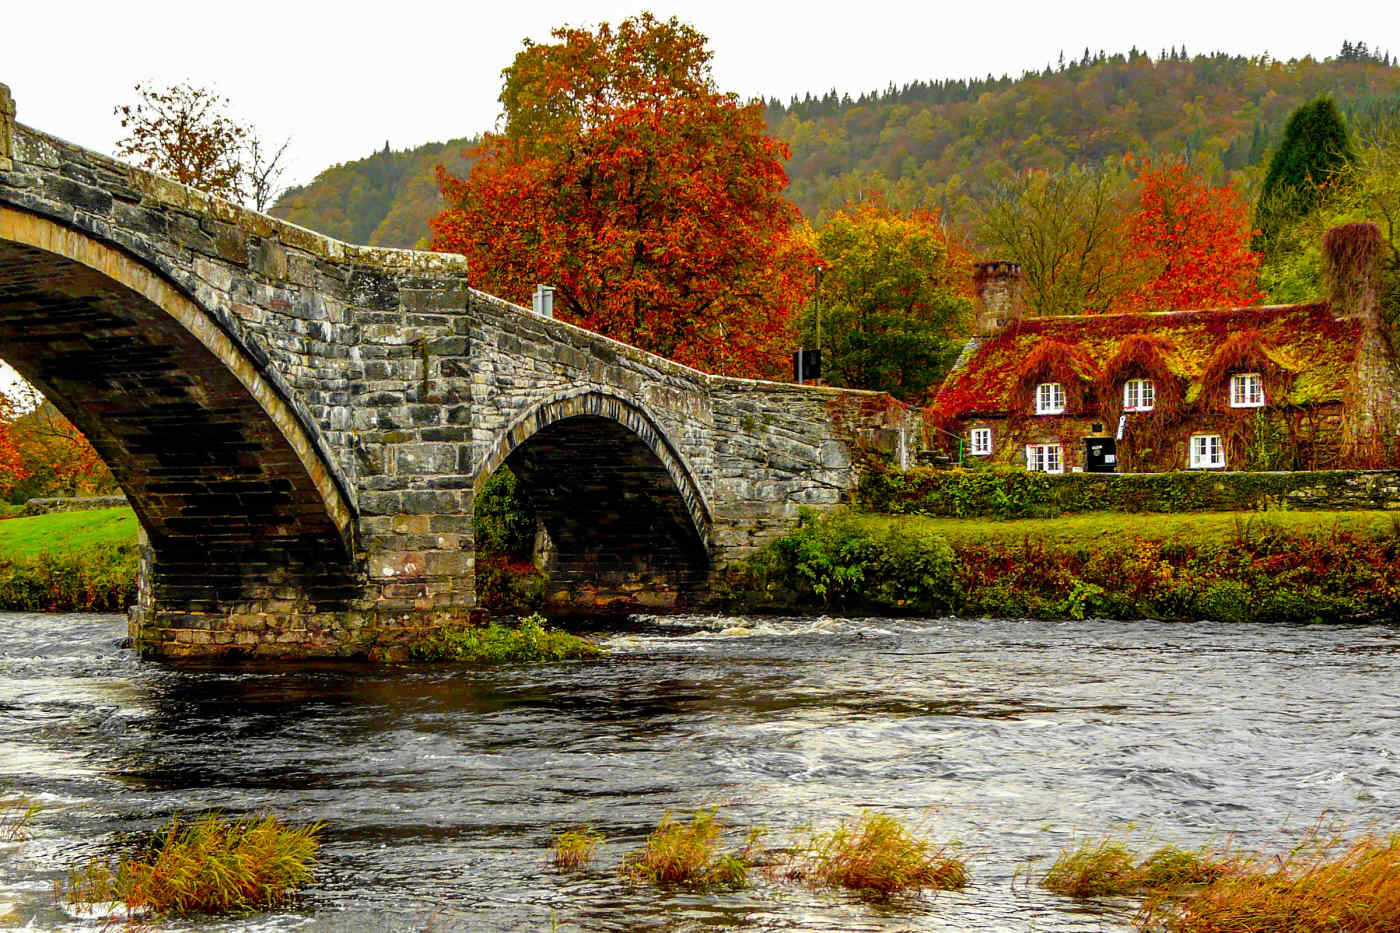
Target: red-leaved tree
650	200
11	462
1188	244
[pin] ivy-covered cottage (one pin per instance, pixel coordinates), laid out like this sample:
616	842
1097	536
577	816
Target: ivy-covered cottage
1310	386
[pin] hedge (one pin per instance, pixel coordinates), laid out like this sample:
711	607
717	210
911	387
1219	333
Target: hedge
1023	494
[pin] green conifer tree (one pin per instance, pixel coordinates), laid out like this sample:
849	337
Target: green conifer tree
1315	150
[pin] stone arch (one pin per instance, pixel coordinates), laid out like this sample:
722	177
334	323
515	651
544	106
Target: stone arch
613	408
232	486
618	500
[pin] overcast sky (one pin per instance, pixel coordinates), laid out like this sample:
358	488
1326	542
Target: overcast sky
342	78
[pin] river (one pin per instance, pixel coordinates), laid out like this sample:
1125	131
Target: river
441	789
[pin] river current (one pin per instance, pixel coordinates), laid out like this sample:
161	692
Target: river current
441	789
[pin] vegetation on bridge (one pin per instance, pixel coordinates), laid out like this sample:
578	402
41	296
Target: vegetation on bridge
532	640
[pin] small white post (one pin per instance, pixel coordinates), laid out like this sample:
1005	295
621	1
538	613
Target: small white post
544	300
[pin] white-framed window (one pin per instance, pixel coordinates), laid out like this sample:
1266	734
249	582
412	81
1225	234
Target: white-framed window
1049	399
1045	458
1207	452
1246	390
1139	395
981	442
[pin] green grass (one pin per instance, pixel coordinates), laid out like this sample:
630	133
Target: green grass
28	537
1089	528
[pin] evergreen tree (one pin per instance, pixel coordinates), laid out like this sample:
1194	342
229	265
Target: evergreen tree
1316	148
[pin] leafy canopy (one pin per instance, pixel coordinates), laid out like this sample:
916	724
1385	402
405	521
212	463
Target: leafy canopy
185	131
650	200
1094	241
892	308
1189	243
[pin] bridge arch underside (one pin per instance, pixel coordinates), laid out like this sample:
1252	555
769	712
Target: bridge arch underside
622	534
214	467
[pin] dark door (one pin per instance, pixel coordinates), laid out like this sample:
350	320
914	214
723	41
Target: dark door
1100	455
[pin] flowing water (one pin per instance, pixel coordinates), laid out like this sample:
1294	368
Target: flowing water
441	789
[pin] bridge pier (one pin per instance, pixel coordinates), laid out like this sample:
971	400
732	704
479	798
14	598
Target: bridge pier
302	425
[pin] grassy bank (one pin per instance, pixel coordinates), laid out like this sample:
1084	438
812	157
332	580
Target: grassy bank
69	561
1235	567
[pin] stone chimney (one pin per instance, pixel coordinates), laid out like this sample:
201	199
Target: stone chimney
999	301
1371	420
7	122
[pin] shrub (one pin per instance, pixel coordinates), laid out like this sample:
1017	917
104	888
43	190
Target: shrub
892	566
532	640
1010	494
878	857
575	848
687	853
842	561
209	865
94	579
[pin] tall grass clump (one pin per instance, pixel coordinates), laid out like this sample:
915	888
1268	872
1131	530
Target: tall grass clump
1324	885
575	848
687	853
15	816
208	865
1108	868
1095	869
531	640
878	857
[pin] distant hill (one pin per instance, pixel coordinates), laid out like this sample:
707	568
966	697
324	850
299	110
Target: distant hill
935	143
383	200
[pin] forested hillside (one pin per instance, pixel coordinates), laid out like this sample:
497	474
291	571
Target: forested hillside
937	143
383	200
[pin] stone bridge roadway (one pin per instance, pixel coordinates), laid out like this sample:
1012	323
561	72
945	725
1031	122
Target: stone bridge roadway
301	425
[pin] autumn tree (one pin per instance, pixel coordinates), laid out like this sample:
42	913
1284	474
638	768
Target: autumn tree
893	304
54	458
1065	229
186	132
652	201
1187	244
12	469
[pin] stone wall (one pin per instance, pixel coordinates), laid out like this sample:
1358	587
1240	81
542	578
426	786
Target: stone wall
72	504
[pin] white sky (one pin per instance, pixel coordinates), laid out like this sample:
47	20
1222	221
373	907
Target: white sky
341	78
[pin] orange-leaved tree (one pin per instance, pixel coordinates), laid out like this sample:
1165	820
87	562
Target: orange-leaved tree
1188	244
11	462
649	199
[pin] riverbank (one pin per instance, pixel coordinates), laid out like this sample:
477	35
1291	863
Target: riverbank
1226	566
83	561
1243	566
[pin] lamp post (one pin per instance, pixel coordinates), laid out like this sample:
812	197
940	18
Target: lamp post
817	299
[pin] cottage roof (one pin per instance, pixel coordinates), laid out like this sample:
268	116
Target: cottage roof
1309	348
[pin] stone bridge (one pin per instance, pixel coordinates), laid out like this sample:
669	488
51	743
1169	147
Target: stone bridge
302	425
